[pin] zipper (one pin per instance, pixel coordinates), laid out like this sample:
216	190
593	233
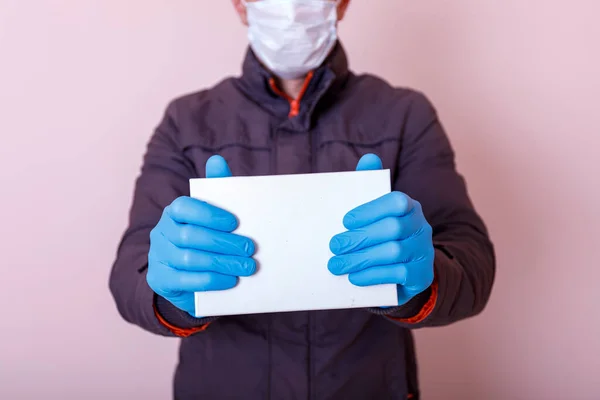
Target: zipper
270	344
313	169
294	111
309	360
294	103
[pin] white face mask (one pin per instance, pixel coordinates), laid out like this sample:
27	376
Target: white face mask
292	37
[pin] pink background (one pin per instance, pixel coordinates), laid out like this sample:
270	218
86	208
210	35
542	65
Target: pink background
83	83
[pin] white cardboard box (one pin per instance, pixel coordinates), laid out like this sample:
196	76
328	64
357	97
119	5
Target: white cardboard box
292	218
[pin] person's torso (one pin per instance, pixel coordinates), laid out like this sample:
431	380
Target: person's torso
341	354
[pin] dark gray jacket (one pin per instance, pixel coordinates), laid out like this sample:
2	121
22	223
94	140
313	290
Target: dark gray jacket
342	354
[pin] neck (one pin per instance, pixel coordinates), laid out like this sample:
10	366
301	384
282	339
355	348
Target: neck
291	87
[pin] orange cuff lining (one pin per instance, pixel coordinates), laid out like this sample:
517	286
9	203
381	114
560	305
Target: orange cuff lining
425	311
181	332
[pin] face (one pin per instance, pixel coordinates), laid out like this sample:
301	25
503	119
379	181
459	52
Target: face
241	9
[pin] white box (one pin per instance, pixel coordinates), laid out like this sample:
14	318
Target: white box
292	218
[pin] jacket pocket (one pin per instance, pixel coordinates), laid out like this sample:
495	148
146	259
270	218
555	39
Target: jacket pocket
343	146
245	147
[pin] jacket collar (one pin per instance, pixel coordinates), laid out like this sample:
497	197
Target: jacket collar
256	82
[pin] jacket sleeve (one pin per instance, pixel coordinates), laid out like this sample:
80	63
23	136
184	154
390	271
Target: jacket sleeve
464	263
164	176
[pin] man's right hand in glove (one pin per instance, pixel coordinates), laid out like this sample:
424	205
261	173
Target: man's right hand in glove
193	249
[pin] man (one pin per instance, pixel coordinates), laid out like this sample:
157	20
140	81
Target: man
297	108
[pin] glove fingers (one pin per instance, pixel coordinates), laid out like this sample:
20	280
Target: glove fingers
414	276
217	167
385	230
202	261
205	281
386	274
392	252
394	204
173	283
187	210
200	238
369	162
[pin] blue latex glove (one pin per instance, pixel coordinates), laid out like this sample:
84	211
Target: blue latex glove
388	241
192	248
